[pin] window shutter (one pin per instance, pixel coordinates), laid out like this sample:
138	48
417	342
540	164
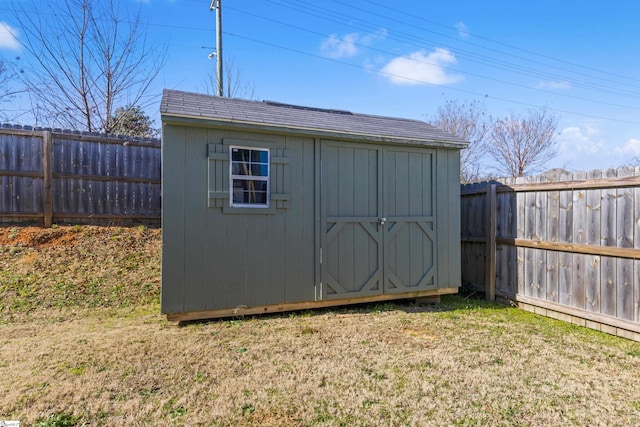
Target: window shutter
218	173
280	178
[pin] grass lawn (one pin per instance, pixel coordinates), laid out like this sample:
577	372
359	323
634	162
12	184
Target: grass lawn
82	343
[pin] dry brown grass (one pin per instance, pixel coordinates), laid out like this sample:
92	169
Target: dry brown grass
77	266
461	362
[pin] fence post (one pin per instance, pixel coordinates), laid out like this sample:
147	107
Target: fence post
47	166
490	233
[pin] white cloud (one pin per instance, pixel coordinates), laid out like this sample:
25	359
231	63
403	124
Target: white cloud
370	38
573	133
580	141
421	68
631	148
8	37
591	147
463	31
347	45
584	148
553	85
340	47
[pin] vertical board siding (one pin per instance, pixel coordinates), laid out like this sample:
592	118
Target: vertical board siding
453	225
195	214
240	257
298	216
219	257
173	221
351	236
409	235
92	175
586	216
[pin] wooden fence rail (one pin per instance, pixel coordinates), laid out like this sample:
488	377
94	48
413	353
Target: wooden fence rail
51	175
564	245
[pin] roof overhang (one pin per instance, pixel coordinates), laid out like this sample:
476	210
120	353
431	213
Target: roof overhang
236	124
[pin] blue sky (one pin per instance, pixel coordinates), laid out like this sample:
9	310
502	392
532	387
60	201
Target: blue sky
406	58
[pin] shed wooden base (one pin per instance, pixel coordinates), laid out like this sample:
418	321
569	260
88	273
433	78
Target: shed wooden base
277	308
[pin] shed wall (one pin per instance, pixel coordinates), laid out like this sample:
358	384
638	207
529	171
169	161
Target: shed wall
218	258
448	273
214	259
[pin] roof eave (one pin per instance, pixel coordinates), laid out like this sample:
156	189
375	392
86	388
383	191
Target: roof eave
173	118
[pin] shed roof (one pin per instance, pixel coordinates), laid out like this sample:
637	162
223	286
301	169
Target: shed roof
276	116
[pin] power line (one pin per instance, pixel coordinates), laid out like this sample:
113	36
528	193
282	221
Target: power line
404	37
498	42
565	95
313	10
526	104
371	69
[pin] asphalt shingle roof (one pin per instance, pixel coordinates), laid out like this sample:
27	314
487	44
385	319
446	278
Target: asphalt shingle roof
180	104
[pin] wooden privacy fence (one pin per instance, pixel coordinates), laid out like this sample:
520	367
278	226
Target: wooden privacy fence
68	176
563	245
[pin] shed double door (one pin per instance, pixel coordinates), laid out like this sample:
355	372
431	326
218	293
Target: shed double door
377	220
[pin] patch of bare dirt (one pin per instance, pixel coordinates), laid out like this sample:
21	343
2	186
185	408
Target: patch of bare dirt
34	237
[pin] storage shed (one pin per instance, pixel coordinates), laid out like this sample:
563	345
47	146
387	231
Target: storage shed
272	207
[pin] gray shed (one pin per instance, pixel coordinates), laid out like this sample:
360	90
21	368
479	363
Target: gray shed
272	207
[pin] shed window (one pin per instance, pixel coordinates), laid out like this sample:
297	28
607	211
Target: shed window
249	174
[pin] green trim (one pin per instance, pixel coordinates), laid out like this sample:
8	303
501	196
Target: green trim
249	211
267	145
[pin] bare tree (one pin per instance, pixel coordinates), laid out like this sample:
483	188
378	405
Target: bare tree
234	86
4	86
465	120
4	78
522	145
87	58
635	161
9	72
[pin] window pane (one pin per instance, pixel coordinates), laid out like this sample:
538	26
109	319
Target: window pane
249	191
259	170
238	168
259	156
249	197
240	154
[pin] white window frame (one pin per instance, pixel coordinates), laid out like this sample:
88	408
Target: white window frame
233	177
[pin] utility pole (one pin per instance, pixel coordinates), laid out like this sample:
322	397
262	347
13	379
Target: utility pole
217	5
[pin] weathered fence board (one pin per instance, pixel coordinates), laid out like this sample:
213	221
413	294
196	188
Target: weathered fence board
608	238
574	248
636	245
624	234
68	176
579	227
520	231
553	257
